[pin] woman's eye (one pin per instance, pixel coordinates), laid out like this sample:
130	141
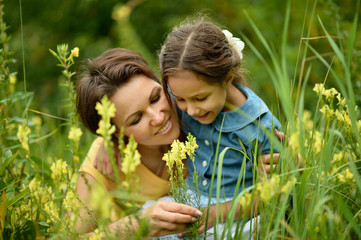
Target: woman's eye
155	99
137	120
179	99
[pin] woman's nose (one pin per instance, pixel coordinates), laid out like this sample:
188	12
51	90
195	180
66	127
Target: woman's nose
157	116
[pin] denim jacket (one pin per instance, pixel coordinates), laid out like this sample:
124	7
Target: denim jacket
241	125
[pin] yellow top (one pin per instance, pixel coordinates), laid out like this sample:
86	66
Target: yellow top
150	186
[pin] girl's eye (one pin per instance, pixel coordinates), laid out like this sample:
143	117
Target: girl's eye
137	120
179	99
155	99
201	99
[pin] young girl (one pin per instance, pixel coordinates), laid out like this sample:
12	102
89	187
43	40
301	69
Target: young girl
201	66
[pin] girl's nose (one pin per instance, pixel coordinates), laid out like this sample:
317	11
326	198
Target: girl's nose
192	110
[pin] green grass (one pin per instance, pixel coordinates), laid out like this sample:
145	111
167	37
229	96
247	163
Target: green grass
325	201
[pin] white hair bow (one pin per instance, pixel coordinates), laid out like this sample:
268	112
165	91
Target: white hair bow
237	43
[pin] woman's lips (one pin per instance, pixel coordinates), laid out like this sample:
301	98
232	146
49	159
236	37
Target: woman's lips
166	128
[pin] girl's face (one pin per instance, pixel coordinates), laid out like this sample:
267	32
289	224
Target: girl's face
197	97
143	110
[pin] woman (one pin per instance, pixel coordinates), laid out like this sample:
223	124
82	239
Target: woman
144	111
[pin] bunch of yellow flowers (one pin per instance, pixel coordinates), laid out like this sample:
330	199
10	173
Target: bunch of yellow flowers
106	110
176	155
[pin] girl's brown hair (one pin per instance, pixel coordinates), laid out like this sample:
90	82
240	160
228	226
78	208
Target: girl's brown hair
103	76
202	48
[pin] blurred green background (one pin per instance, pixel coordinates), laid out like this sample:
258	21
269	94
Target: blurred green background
141	25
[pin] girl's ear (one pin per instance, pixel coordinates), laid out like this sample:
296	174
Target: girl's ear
229	78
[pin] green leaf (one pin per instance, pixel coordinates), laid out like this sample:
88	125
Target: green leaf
8	158
19	196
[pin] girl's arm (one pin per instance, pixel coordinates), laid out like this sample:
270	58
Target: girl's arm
164	217
265	170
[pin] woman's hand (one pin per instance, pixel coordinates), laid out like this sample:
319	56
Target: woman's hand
102	162
167	217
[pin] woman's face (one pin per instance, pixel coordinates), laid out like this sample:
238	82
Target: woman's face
143	110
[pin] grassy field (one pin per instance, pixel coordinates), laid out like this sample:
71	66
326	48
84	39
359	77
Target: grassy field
40	153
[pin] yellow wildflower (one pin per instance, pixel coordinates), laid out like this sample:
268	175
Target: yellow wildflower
70	202
37	121
191	146
52	211
12	79
75	134
131	160
359	125
245	201
294	142
101	201
23	135
289	185
341	178
75	52
97	235
169	159
121	12
179	152
269	188
76	158
319	88
34	185
41	194
330	93
341	101
58	169
306	120
339	116
327	111
317	141
349	175
338	157
106	110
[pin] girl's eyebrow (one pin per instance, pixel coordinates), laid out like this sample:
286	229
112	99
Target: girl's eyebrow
193	96
150	99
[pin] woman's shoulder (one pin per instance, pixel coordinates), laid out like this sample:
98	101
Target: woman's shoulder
88	162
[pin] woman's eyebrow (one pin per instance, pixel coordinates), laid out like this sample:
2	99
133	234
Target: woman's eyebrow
153	92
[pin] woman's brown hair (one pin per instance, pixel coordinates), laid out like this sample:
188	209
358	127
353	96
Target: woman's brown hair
103	76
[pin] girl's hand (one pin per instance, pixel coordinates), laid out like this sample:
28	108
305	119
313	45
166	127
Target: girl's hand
266	167
282	137
167	217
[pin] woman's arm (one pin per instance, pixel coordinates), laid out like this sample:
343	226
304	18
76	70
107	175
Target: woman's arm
164	217
85	222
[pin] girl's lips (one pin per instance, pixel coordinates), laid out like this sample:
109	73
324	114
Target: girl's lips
166	128
202	117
